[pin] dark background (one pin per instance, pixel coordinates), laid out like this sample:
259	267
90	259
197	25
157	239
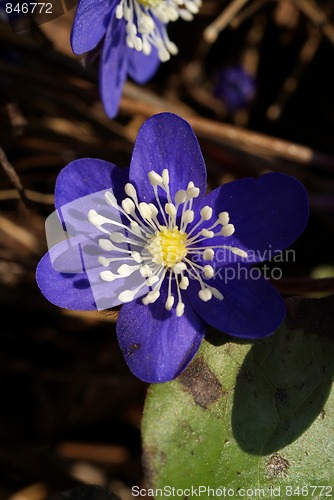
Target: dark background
70	410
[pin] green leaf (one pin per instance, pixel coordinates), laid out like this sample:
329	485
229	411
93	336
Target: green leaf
249	415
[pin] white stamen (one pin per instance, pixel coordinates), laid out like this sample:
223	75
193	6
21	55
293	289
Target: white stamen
205	294
169	302
184	283
224	218
227	230
145	271
116	237
128	206
126	270
207	234
208	254
107	276
156	241
154	178
170	209
206	213
110	199
180	196
188	217
179	268
180	309
208	271
130	190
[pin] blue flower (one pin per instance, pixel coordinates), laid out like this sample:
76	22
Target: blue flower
151	240
235	87
134	39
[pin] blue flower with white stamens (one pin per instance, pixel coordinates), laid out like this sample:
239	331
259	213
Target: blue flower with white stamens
154	243
133	37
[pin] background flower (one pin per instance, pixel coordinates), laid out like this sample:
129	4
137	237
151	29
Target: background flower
133	36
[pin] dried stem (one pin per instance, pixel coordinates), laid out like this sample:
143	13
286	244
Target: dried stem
212	31
14	178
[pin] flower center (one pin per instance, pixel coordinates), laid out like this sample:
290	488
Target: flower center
168	247
146	22
162	242
150	3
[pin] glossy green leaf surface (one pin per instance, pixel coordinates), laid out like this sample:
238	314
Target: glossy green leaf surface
250	415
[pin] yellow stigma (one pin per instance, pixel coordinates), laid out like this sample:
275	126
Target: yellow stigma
168	246
150	3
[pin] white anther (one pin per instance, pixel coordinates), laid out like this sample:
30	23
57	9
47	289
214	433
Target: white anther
147	48
119	11
170	209
138	44
180	196
110	199
129	42
180	309
154	178
224	218
154	210
191	6
172	48
107	276
135	228
127	11
186	15
104	261
163	54
227	230
128	206
145	24
96	219
206	213
184	283
208	271
192	192
152	280
106	245
145	210
145	271
179	267
117	237
165	176
207	234
130	190
151	297
169	302
208	254
127	296
136	257
205	294
239	252
188	216
216	293
126	270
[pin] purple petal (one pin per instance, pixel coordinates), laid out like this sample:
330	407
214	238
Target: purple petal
157	345
70	291
251	307
141	67
167	141
269	213
113	66
88	175
90	24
